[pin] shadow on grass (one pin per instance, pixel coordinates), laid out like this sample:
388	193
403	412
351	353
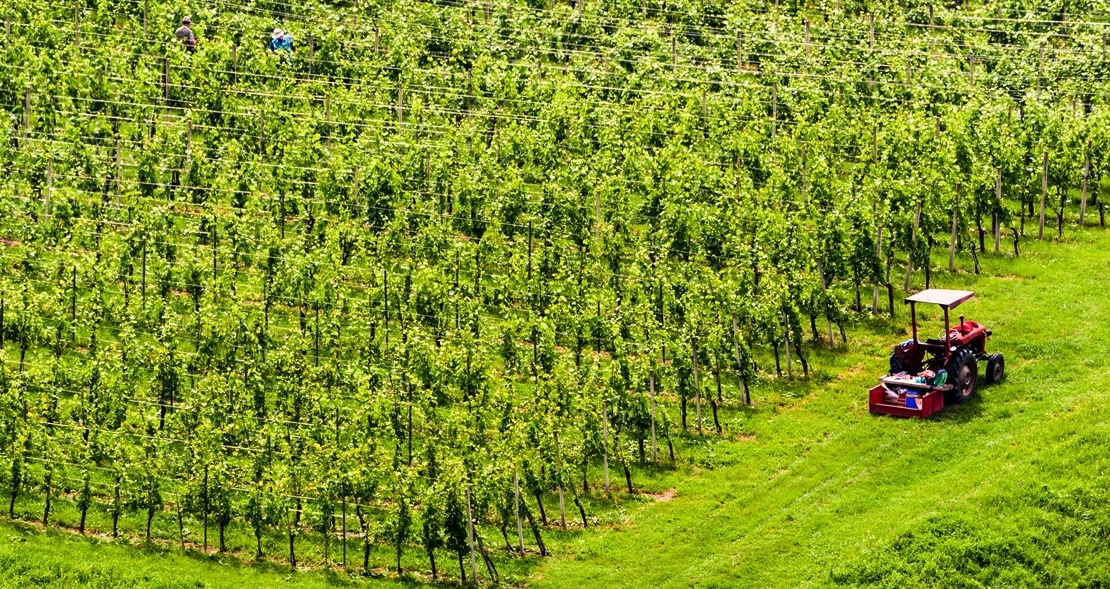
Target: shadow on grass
966	412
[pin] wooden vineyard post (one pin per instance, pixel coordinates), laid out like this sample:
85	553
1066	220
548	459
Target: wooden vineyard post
807	37
77	26
470	537
774	107
343	531
1040	70
1060	213
327	120
385	302
824	288
118	170
605	444
234	64
1101	207
516	508
705	132
49	189
205	508
874	152
878	256
311	55
26	117
262	133
73	303
674	54
997	205
215	267
803	154
400	105
166	78
952	241
913	241
354	191
662	326
559	482
697	382
786	333
144	274
651	391
1086	176
739	363
1044	194
428	171
871	33
597	218
739	55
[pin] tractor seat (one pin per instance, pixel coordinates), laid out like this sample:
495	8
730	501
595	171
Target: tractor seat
934	345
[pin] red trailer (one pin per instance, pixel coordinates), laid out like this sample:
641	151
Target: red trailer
928	400
925	375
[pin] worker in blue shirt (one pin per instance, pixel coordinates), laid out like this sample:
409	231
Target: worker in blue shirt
282	42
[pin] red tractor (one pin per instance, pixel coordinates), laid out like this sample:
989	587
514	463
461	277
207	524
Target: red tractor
926	374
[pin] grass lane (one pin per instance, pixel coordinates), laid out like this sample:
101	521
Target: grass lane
823	486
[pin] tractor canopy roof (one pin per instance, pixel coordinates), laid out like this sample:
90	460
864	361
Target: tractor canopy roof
948	299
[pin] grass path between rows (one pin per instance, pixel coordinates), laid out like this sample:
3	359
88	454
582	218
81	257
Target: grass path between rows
811	490
822	484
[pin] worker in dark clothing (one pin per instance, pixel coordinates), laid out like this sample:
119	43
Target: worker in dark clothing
185	34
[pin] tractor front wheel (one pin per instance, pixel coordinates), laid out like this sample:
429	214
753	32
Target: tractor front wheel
996	368
963	373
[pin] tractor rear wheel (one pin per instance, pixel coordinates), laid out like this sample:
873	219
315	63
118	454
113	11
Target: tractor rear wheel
996	368
963	373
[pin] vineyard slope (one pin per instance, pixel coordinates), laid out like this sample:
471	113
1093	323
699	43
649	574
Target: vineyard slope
1006	490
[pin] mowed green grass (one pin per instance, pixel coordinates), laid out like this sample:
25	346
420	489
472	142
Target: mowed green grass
1008	489
806	489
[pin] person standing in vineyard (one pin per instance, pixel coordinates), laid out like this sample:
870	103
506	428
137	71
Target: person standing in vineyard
282	43
185	34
